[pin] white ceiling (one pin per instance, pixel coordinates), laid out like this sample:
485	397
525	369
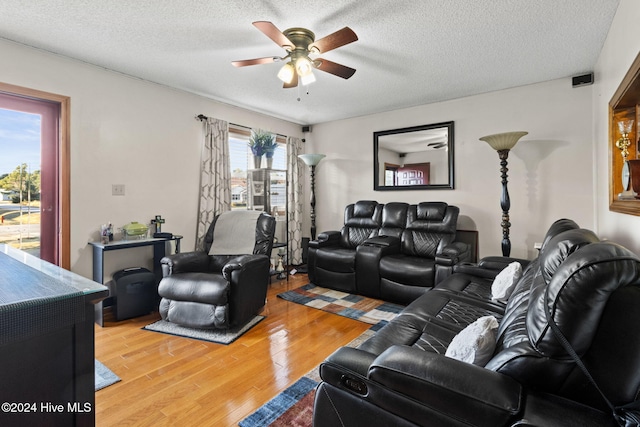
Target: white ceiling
408	53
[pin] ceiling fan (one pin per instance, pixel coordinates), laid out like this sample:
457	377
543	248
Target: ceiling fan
300	43
437	145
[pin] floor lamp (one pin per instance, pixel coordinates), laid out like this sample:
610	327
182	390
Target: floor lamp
312	161
502	143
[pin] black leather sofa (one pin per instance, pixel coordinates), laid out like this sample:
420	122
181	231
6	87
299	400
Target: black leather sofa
401	377
394	251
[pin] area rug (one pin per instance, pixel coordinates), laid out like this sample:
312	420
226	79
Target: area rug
219	336
294	406
104	376
368	310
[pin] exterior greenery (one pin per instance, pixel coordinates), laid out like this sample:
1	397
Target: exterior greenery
24	184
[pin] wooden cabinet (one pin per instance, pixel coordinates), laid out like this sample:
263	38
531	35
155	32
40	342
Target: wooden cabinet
624	114
46	343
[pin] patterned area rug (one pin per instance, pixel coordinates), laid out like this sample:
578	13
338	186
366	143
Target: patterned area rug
104	376
368	310
218	336
294	406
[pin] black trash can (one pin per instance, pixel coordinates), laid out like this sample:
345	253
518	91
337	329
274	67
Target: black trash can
135	292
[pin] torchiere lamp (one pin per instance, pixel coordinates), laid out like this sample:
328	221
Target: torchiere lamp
312	161
502	143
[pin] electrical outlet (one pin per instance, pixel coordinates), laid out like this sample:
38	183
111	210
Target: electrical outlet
117	189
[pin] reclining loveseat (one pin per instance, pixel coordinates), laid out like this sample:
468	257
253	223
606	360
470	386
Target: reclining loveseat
394	251
402	375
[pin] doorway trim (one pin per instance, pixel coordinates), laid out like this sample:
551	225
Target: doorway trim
64	227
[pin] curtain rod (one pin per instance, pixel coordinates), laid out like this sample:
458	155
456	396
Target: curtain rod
202	117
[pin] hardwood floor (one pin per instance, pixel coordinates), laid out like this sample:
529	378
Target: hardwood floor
168	380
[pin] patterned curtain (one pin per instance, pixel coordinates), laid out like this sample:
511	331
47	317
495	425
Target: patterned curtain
294	199
215	176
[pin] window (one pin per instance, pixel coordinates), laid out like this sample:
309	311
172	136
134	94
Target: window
241	161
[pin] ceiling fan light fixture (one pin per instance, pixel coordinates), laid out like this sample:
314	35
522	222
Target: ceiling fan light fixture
286	73
307	79
299	43
304	66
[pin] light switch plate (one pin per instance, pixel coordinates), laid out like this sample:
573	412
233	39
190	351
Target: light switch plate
117	190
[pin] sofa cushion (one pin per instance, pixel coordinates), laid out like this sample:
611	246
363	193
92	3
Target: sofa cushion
475	343
394	219
559	247
361	221
408	270
505	282
338	260
197	287
581	287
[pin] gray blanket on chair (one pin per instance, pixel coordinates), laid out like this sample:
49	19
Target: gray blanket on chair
235	233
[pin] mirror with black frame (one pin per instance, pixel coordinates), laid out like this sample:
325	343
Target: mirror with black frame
414	158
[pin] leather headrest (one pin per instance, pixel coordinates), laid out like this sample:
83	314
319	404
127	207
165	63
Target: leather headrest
578	294
364	208
431	211
559	247
394	214
558	227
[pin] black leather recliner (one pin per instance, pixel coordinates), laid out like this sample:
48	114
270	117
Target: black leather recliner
403	263
400	376
332	256
395	251
205	291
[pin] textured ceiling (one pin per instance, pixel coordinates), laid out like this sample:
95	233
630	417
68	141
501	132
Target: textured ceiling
408	53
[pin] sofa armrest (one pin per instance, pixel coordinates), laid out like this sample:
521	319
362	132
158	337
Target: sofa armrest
368	256
500	262
383	242
487	267
461	390
244	264
453	253
353	360
184	262
475	270
326	238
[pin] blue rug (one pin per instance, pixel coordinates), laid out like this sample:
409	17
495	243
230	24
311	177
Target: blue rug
279	405
104	376
368	310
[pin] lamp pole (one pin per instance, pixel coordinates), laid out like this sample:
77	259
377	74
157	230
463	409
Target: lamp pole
503	143
505	203
312	201
312	161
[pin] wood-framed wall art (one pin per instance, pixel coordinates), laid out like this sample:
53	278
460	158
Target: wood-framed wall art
624	147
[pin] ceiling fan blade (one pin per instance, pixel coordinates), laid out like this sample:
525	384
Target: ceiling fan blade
255	61
334	40
274	34
334	68
294	81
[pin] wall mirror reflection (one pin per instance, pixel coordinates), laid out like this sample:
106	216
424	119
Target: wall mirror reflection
414	158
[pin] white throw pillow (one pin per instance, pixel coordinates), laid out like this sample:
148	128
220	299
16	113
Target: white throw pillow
505	281
475	343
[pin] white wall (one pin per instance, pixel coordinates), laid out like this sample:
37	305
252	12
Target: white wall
126	131
550	170
620	49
